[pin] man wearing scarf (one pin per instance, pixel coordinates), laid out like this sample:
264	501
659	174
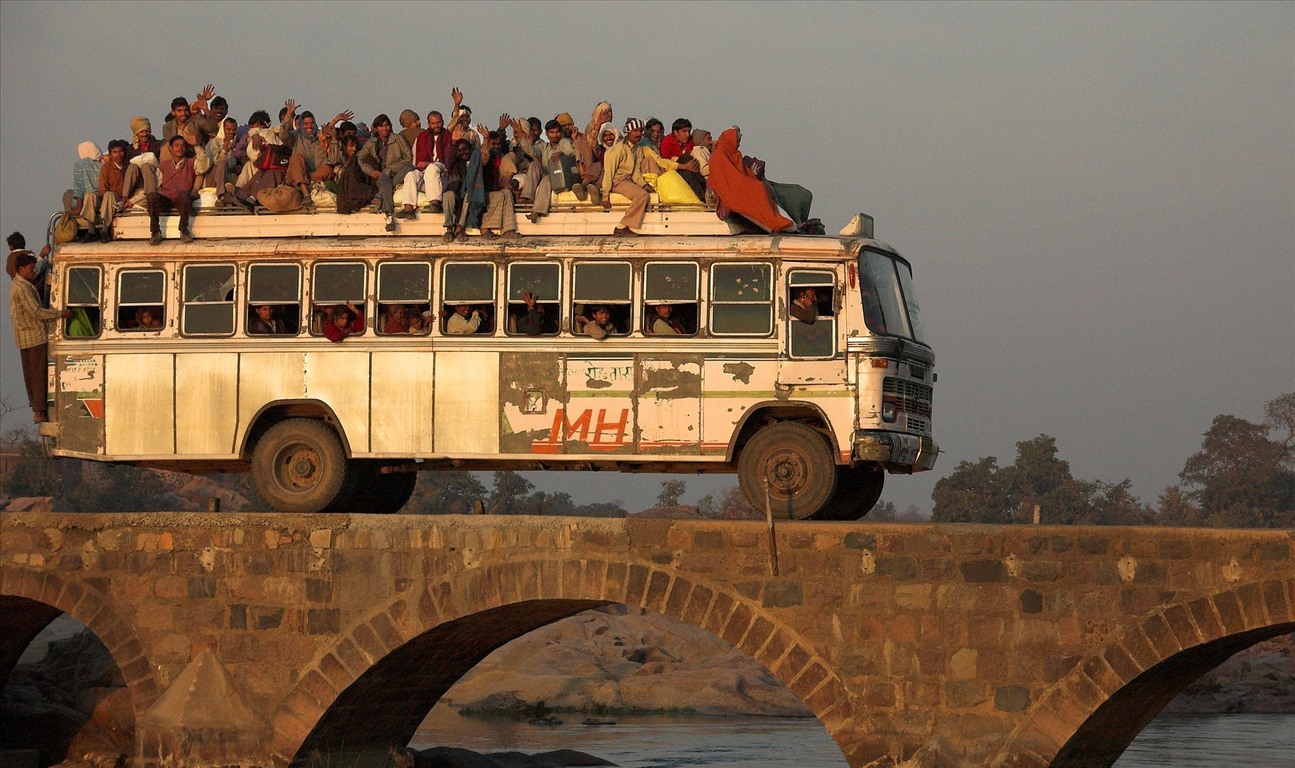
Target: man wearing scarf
738	188
142	156
622	175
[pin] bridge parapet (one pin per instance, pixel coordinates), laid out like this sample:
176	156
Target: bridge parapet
975	644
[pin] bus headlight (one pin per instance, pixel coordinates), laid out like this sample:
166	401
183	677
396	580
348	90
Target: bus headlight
888	411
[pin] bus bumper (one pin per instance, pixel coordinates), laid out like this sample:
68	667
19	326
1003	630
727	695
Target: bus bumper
896	450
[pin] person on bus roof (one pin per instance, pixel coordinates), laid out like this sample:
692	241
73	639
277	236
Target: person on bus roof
142	156
500	212
345	321
623	175
738	188
384	159
175	192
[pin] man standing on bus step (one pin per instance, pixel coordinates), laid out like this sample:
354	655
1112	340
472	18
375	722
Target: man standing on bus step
30	331
175	191
621	174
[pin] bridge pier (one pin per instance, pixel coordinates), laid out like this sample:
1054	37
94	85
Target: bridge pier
953	644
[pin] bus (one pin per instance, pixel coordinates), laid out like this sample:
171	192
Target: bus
798	362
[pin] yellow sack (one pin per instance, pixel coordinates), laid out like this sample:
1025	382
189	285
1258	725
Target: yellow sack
65	228
672	189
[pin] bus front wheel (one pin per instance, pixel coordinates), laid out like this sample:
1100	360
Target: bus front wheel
298	465
788	466
857	491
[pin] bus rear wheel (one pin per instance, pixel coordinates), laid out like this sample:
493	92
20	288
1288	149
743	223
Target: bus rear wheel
857	491
298	465
384	493
793	465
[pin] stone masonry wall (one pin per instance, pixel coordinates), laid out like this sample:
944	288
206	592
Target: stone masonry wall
974	644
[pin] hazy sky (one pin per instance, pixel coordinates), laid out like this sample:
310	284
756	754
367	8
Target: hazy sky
1098	199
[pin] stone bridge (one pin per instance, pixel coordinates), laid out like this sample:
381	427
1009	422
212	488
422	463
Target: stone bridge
270	640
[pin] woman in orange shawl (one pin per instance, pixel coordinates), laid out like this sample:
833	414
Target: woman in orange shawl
739	189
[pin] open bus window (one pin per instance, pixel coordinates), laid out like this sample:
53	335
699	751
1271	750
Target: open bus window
534	295
811	314
82	297
208	306
334	286
404	298
598	285
670	299
741	301
277	286
141	296
467	298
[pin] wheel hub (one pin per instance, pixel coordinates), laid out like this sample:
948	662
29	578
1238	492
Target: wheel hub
787	473
300	468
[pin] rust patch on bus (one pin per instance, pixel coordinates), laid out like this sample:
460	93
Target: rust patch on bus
524	376
740	371
670	376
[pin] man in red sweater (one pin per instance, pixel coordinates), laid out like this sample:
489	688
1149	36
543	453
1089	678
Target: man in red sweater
175	192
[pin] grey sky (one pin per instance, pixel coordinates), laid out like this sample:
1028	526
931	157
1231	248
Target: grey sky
1098	199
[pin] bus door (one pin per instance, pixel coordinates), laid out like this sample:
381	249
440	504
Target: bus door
813	352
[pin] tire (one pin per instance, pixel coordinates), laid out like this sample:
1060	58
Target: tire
797	465
299	466
857	491
383	494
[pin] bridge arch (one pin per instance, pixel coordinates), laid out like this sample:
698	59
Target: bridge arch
31	599
421	642
1091	715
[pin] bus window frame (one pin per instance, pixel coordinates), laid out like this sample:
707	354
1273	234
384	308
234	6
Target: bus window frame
552	307
713	303
626	304
361	301
649	301
119	305
97	306
250	302
185	303
447	303
379	304
829	281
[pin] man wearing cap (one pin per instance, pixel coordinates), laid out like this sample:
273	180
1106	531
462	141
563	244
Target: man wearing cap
621	175
142	156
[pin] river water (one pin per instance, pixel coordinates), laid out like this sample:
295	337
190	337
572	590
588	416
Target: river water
1171	741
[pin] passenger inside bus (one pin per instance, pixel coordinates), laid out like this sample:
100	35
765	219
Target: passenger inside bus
804	305
464	318
418	325
663	322
264	320
531	317
343	321
599	325
134	318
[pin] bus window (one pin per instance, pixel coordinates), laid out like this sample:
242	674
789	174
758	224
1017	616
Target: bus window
277	286
468	298
670	298
883	300
601	284
208	306
82	297
404	297
534	293
811	314
336	285
141	295
741	302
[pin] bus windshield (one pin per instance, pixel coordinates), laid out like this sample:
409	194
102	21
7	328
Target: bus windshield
889	304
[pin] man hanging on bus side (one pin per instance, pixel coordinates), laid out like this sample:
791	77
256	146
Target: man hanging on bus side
30	330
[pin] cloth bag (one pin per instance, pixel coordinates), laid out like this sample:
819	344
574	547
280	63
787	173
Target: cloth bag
280	199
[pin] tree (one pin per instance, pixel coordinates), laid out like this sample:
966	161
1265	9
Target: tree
509	495
1240	477
671	492
973	493
1175	508
33	474
884	512
446	493
1281	415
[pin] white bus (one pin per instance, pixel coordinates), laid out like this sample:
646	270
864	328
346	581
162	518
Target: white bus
213	356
